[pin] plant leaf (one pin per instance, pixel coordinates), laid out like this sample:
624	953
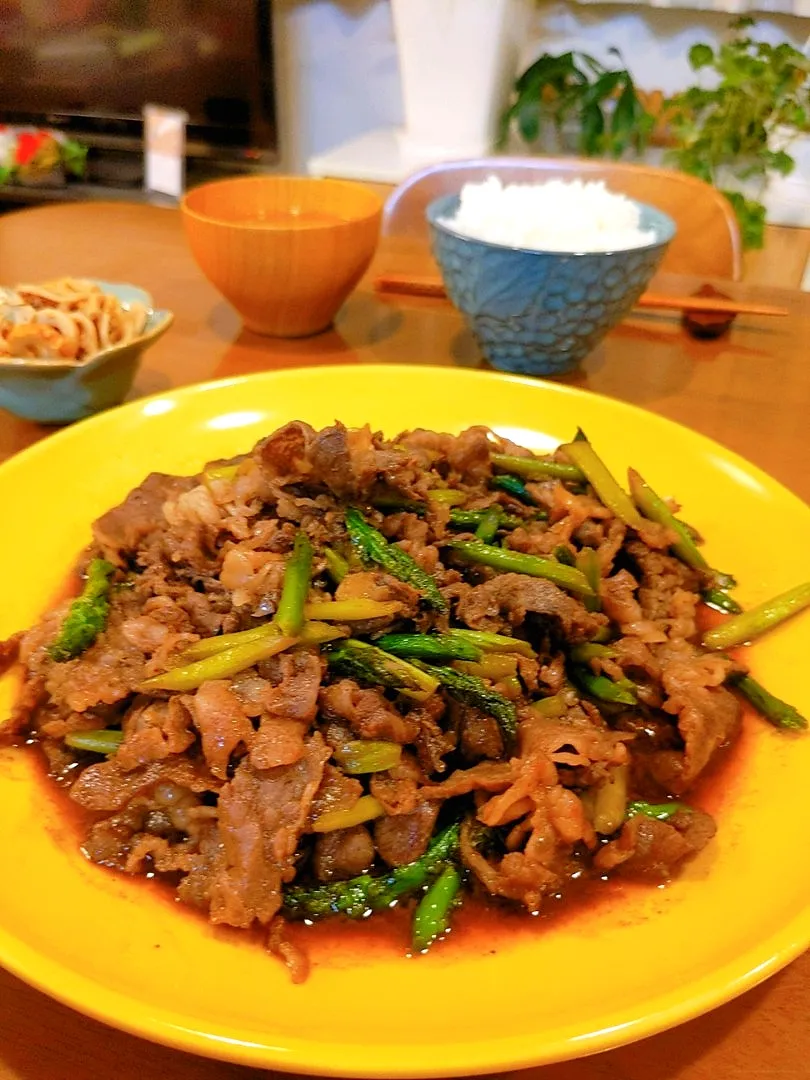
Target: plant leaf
592	130
528	120
751	216
700	56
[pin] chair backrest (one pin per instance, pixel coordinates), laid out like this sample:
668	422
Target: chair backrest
707	241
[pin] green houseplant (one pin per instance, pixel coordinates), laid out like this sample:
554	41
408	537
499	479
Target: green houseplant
574	92
736	131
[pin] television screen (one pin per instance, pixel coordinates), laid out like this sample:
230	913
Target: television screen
89	67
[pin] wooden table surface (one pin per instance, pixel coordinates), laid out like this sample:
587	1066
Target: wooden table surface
750	390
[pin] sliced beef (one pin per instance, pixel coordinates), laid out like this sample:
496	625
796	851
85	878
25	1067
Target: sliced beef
284	453
25	711
524	876
9	651
287	708
398	795
294	959
107	786
401	839
153	731
108	672
121	531
532	773
335	792
221	721
709	718
619	601
574	739
351	462
506	599
369	714
262	813
298	676
661	576
479	735
467	454
486	776
343	854
432	742
654	849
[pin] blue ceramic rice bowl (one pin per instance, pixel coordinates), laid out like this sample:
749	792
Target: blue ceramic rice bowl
542	312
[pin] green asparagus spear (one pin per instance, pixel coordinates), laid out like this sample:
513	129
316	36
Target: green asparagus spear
220	665
297	572
388	503
567	577
550	708
721	601
336	565
358	609
432	916
359	895
610	800
471	690
489	642
101	741
563	554
367	808
489	525
603	482
471	519
312	633
659	811
777	712
654	508
750	624
225	471
447	496
370	664
430	647
361	756
373	547
87	615
537	468
581	654
513	486
620	692
588	562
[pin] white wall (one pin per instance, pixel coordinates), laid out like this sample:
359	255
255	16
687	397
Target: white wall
338	75
654	42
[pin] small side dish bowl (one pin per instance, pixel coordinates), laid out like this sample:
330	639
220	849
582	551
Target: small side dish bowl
541	312
59	392
286	251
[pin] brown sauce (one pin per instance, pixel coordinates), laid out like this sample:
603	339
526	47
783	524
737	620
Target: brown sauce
480	926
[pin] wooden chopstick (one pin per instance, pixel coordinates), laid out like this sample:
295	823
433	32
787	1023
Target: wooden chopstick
718	304
418	285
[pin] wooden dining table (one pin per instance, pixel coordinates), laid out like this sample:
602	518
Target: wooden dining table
749	389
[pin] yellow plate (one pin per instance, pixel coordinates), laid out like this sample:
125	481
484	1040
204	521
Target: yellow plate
620	970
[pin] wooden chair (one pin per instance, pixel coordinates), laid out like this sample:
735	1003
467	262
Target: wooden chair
707	241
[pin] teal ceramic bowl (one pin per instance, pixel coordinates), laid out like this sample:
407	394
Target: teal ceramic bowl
52	392
542	312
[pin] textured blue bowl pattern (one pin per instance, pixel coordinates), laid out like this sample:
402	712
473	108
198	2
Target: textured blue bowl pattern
541	313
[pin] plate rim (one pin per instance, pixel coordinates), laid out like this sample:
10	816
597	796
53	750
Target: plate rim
745	971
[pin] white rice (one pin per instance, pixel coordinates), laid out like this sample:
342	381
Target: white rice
556	215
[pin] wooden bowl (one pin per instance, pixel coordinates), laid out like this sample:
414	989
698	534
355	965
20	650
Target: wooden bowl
285	251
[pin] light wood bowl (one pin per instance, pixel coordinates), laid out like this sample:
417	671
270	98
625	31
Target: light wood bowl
285	251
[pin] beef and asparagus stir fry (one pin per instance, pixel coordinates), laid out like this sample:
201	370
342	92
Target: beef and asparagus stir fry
341	672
